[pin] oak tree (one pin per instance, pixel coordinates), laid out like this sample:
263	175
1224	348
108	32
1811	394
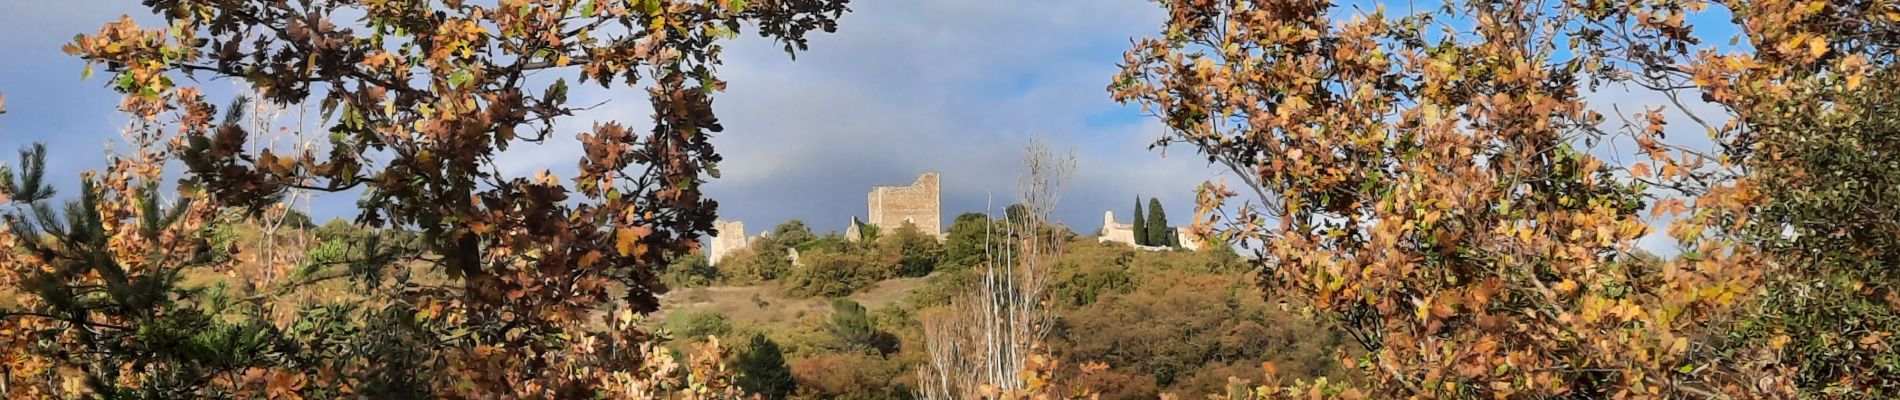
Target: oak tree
420	100
1416	181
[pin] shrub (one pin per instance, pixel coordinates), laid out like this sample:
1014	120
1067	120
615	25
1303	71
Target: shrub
940	288
1190	323
850	376
793	233
963	243
697	324
763	260
831	274
691	270
909	251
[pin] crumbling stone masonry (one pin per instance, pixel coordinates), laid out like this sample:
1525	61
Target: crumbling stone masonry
1125	234
731	238
852	233
1115	231
892	206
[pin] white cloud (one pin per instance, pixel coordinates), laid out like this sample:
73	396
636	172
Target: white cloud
1620	102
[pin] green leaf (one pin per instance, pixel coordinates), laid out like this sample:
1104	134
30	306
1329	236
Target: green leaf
557	93
458	78
722	33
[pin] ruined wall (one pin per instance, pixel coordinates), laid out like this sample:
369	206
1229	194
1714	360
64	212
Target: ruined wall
1187	239
1115	232
851	232
731	238
891	206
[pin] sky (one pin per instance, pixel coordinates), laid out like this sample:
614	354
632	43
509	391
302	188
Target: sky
956	87
904	87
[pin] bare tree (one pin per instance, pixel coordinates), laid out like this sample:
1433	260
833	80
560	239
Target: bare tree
282	129
981	345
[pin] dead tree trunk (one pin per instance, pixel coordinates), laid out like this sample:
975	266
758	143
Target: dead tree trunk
980	346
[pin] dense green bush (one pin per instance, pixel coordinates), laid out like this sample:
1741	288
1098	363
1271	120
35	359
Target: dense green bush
1199	313
851	377
909	252
963	243
831	241
1081	285
1190	323
832	267
829	273
691	270
762	260
696	324
792	233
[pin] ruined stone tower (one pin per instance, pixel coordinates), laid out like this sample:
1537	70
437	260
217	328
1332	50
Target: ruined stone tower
891	206
731	238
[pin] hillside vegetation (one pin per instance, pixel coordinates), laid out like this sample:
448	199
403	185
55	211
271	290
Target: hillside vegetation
1437	201
1176	322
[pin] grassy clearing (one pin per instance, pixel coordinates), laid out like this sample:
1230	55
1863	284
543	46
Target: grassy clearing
767	305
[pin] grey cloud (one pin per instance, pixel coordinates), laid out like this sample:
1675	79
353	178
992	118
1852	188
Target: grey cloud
950	86
906	87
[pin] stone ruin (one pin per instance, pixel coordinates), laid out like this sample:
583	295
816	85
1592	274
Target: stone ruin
852	232
918	204
892	206
731	238
1117	232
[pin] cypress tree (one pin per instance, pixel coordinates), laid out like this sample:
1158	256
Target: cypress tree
1141	228
1157	223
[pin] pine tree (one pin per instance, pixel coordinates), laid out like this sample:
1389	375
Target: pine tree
1158	232
1141	228
763	371
101	276
851	329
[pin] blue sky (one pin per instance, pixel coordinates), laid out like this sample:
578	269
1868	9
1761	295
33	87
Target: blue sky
952	86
